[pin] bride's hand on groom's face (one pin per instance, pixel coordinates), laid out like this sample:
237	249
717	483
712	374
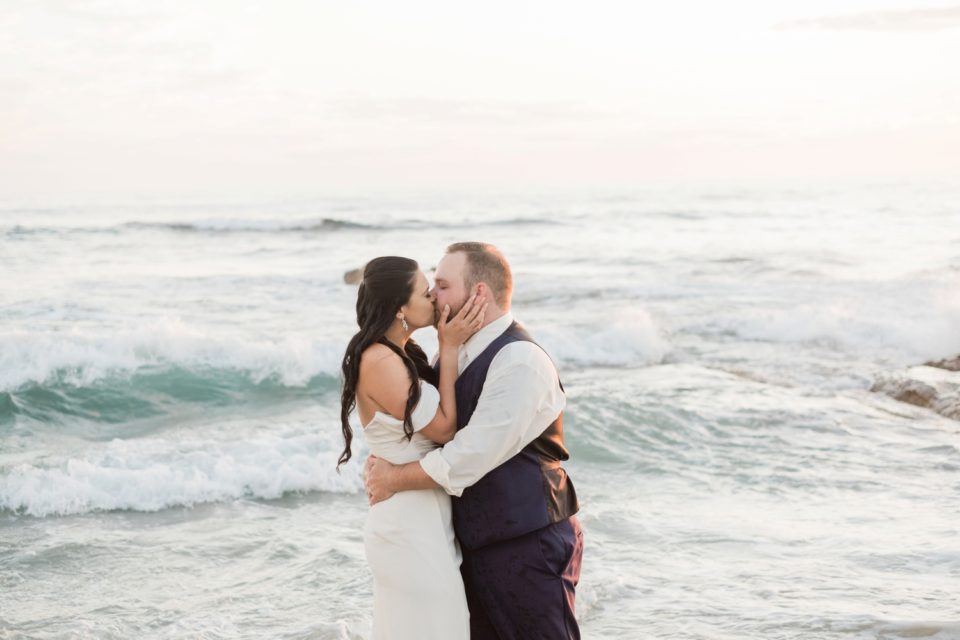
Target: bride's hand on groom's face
375	476
455	331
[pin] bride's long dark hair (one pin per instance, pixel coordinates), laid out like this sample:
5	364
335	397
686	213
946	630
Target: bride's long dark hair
387	285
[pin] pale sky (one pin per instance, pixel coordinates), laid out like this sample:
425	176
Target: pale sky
127	96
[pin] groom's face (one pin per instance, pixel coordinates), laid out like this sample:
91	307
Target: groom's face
449	284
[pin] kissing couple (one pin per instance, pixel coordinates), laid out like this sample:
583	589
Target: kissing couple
472	532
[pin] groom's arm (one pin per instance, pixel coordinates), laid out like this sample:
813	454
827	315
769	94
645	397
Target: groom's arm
521	397
384	479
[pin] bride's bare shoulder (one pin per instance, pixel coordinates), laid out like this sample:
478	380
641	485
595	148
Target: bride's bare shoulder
380	361
376	352
384	379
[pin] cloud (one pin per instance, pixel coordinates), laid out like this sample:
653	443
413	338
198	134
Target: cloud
911	20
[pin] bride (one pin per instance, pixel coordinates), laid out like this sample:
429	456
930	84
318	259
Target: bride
406	412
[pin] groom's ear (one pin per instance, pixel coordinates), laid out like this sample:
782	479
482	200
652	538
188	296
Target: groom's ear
481	289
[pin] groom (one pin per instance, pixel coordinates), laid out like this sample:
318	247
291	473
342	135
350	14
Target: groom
513	505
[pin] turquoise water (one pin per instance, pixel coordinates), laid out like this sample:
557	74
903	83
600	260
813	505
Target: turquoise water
169	429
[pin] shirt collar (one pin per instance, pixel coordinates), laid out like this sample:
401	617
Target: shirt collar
482	339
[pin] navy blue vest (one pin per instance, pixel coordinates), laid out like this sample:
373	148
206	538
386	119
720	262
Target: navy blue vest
527	492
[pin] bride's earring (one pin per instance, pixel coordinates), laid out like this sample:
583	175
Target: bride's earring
403	321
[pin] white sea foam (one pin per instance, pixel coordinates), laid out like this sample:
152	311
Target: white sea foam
630	338
82	356
150	474
914	322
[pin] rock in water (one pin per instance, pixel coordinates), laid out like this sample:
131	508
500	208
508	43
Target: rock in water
950	364
936	388
354	276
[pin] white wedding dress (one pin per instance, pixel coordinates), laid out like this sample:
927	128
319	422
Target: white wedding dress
411	549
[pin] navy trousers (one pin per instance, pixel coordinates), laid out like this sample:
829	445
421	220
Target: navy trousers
525	588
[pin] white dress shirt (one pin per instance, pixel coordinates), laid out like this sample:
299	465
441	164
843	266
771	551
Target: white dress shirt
521	397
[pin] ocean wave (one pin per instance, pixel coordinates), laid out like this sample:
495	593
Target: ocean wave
270	225
153	474
151	391
81	357
132	373
244	225
209	225
630	338
914	338
914	323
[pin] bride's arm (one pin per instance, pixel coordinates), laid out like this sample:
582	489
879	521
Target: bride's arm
444	424
451	335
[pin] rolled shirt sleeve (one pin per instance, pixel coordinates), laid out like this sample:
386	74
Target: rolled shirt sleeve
521	397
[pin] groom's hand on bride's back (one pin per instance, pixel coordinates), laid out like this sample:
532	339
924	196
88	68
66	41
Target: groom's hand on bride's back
376	476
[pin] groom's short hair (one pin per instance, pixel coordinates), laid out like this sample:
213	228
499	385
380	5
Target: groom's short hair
486	264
